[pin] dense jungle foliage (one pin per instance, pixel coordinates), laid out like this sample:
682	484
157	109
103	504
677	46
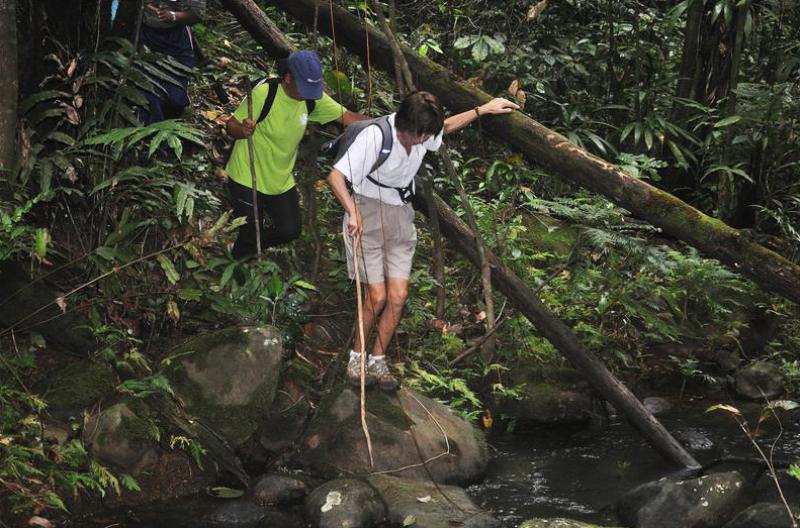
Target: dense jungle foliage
131	224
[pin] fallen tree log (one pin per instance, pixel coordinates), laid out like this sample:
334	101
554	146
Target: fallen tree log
250	16
562	337
553	151
547	324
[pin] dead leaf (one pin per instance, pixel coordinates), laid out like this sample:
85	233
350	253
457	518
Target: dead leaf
72	114
77	101
424	500
39	521
536	10
514	87
73	65
522	97
62	303
221	175
71	174
480	316
409	521
439	325
173	312
223	62
475	82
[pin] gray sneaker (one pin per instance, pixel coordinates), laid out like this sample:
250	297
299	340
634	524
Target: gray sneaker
354	372
379	370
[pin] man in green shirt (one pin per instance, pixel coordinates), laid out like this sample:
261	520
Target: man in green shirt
276	139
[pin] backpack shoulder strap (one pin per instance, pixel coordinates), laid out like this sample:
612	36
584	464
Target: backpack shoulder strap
310	106
386	143
343	142
272	90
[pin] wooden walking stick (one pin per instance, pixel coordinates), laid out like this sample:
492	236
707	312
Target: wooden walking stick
251	150
363	351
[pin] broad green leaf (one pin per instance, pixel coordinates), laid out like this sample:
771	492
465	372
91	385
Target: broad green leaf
106	252
727	121
169	269
305	285
41	240
190	294
465	41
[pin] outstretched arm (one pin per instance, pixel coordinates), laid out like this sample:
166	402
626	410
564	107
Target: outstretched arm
351	117
495	106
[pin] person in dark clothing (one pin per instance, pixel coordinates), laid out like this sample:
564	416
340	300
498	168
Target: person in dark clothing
166	29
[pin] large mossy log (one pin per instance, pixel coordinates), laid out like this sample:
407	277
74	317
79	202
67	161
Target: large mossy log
554	152
549	326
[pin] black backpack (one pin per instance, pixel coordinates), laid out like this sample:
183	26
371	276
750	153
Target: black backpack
341	143
272	91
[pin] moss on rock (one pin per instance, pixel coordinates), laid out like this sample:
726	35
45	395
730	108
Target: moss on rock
70	389
229	378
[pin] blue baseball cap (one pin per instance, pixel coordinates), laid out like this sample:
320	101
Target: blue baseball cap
307	73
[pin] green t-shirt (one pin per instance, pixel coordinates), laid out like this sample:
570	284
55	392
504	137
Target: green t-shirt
276	139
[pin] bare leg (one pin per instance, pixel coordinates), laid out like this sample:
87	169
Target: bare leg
373	305
397	292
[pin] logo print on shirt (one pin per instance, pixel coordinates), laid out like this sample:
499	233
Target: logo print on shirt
304	119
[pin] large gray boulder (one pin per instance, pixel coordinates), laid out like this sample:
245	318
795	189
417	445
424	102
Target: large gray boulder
703	502
276	490
228	379
422	502
123	435
345	503
557	523
335	443
759	381
763	515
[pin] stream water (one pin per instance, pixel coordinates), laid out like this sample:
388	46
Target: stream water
575	474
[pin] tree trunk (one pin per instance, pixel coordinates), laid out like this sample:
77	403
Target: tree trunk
553	151
8	87
562	338
549	326
253	19
726	191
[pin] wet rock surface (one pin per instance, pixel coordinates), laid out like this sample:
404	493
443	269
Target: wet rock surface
274	490
229	378
706	501
763	515
429	505
557	523
335	444
345	503
759	381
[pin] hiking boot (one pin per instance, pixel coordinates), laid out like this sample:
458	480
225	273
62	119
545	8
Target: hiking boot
379	370
354	371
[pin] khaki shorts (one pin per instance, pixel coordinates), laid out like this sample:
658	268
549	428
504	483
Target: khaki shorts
388	240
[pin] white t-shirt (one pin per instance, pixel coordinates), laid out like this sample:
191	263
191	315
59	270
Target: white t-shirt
398	170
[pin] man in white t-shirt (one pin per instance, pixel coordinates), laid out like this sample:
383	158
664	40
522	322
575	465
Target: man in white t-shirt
379	217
